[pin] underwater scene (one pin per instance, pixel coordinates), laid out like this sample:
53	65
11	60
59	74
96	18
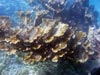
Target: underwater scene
49	37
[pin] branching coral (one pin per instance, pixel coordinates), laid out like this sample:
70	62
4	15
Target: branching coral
51	40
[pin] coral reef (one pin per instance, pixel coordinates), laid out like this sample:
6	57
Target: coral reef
41	38
51	40
53	31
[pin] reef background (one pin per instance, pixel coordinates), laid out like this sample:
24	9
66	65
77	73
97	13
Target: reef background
12	65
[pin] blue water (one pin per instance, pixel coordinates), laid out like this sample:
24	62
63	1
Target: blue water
96	4
8	7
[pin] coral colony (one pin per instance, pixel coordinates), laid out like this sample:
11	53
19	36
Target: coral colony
53	38
50	40
57	30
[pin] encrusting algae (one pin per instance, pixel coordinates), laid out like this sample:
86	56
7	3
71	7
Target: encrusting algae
51	40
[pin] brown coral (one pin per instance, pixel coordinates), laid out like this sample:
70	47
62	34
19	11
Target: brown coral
51	40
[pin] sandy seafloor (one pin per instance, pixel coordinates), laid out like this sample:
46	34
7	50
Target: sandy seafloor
11	65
